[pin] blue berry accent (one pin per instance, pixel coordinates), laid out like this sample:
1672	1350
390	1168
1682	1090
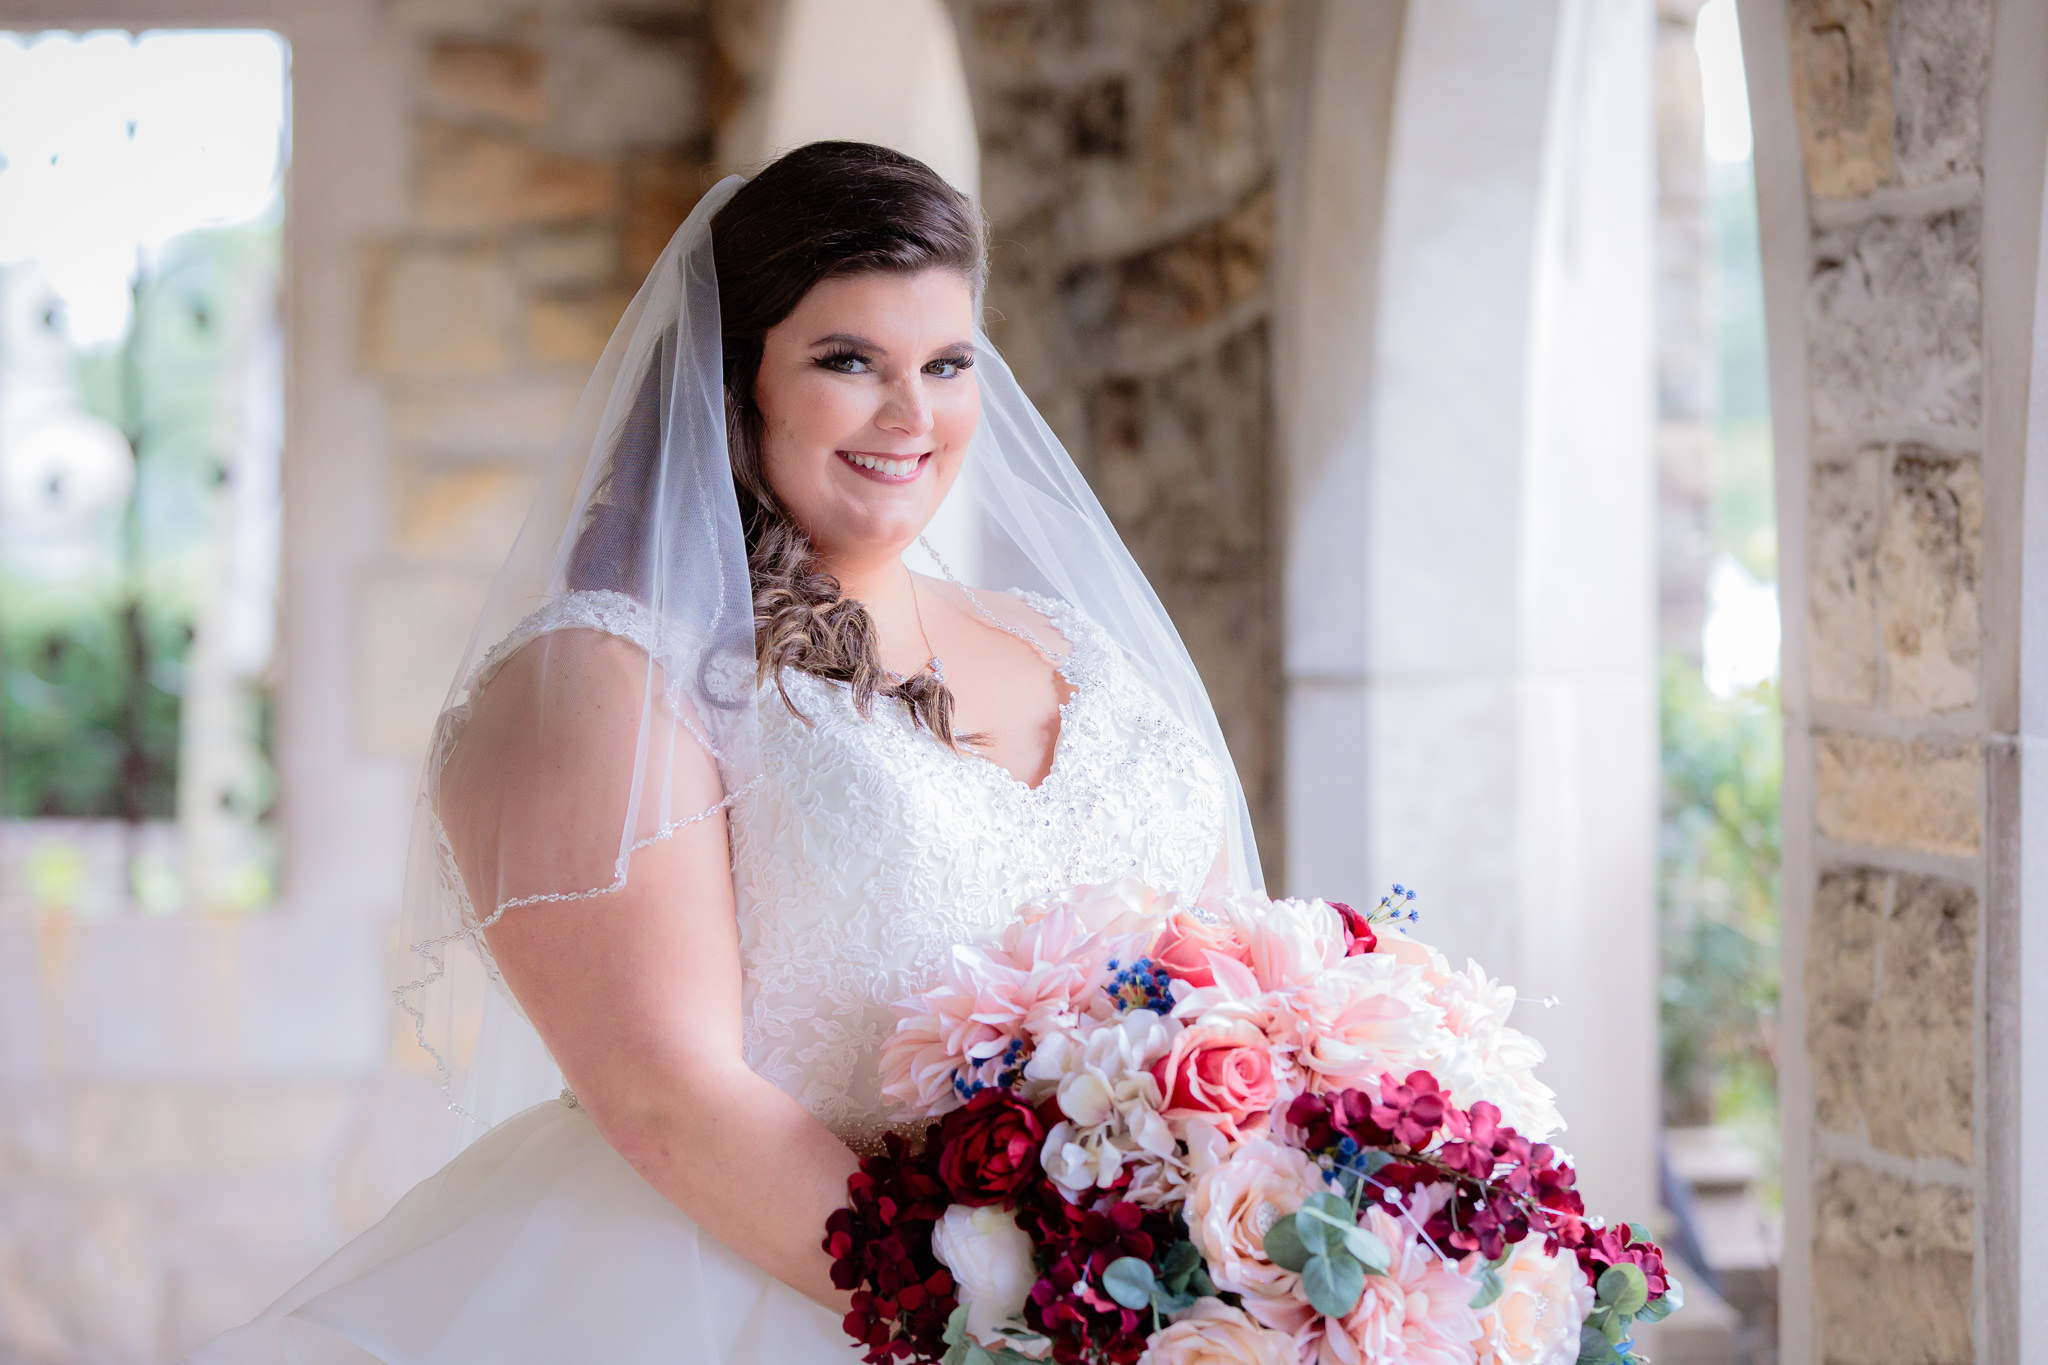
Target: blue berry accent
1141	985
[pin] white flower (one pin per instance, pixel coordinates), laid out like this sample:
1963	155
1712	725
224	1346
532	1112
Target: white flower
1111	1102
1479	1057
990	1259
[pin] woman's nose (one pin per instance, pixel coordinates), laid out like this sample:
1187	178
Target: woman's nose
905	409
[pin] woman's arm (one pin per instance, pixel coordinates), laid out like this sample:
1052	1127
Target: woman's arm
637	992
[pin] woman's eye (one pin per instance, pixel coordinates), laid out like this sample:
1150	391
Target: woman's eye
844	362
952	366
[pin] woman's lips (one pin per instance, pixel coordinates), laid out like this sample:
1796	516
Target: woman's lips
894	469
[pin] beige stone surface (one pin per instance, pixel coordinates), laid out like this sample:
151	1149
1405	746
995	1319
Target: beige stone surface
1920	1070
520	417
1892	1269
1888	793
413	622
659	192
469	178
1843	523
478	77
1893	321
626	84
1849	906
572	328
467	513
1891	996
1928	570
567	258
436	310
1842	93
1941	68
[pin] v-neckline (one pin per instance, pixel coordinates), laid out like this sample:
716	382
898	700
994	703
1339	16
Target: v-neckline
1051	609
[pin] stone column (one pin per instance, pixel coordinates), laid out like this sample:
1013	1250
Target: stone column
1899	163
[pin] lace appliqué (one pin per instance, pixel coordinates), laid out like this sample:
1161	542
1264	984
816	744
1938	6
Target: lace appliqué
870	849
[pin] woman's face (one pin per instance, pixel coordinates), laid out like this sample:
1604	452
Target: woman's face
867	401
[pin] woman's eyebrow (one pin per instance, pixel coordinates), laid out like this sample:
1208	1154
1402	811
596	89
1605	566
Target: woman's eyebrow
853	339
850	339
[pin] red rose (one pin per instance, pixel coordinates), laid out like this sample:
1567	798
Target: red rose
988	1151
1358	935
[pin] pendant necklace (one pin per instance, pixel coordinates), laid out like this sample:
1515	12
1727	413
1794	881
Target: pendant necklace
933	663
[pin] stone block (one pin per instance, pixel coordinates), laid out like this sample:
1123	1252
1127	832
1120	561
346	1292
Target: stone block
1893	322
1842	93
1941	67
572	328
621	86
467	179
1919	1074
414	623
1843	529
436	310
480	78
1145	302
1890	794
1841	988
1892	1269
1928	570
468	513
567	258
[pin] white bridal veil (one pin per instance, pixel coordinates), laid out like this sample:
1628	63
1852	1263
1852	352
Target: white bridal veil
635	530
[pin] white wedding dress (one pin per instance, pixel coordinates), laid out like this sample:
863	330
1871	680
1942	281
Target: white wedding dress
867	852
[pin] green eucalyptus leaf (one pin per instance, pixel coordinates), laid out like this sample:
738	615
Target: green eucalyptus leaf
1623	1288
1491	1286
1285	1246
1200	1285
976	1355
956	1325
1324	1221
1657	1311
1129	1281
1594	1347
1673	1296
955	1354
1181	1261
1333	1284
1368	1250
1615	1329
1640	1233
1166	1305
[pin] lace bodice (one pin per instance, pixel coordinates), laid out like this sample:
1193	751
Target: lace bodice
867	849
870	849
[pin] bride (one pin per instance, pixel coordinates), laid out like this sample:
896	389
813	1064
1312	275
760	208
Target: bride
726	777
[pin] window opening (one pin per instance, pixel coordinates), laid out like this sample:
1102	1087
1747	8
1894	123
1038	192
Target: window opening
141	431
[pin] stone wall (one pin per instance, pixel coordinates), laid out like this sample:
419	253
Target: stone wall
1128	162
1889	101
553	153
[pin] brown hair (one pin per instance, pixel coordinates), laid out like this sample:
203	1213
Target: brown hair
824	210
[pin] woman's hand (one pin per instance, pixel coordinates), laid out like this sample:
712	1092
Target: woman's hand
635	992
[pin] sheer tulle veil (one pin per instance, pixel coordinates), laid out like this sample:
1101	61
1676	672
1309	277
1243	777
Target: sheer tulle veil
636	525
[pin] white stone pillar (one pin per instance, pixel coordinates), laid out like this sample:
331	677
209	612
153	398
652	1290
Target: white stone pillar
1471	620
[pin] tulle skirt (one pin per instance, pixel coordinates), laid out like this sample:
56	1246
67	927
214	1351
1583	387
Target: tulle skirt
538	1245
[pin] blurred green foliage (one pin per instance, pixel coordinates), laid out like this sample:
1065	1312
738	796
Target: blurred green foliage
1718	901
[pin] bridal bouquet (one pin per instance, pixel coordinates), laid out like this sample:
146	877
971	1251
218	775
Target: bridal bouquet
1247	1132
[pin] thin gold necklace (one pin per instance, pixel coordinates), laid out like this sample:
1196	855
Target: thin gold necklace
933	663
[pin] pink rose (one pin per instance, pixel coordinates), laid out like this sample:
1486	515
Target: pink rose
1231	1206
1214	1333
1222	1071
1186	942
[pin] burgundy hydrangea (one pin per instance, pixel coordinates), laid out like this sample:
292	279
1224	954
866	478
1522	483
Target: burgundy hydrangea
988	1150
1612	1246
1076	1245
881	1248
1358	934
